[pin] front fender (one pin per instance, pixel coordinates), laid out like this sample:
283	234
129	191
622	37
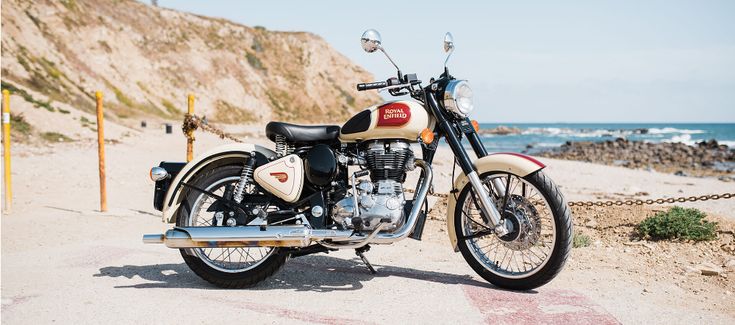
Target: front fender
513	163
215	157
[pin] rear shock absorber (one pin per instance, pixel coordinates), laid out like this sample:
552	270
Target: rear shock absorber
245	176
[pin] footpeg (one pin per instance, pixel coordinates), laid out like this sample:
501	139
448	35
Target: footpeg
359	252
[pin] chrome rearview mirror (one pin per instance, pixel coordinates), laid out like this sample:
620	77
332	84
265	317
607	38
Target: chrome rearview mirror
448	42
370	40
448	46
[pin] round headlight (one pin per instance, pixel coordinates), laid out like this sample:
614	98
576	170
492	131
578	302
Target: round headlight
458	97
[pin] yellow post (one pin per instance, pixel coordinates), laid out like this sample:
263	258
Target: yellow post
101	151
190	133
6	151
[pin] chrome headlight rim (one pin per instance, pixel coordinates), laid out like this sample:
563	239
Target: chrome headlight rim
452	98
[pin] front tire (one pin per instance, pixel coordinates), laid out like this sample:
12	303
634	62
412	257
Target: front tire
225	275
517	261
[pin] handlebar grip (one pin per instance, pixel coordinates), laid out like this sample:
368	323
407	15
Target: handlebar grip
371	85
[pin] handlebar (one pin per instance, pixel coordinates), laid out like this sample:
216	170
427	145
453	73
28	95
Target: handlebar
371	85
394	83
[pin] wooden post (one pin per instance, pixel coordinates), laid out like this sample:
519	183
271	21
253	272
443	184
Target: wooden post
190	133
101	151
6	152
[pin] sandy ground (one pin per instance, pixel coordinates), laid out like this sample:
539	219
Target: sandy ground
64	262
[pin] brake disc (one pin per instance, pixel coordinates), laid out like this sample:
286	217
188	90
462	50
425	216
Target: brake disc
526	224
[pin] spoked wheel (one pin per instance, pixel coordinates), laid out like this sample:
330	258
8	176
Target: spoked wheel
539	241
232	267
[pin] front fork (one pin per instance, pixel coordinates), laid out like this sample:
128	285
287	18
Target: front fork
486	205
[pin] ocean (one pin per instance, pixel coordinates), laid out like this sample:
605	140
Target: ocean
545	136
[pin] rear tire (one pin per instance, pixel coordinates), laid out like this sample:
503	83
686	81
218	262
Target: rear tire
562	219
234	279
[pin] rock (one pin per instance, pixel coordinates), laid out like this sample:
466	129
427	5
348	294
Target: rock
640	243
705	158
592	223
730	265
709	269
502	130
689	270
711	144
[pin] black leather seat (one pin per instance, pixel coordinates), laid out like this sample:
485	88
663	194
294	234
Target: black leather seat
302	133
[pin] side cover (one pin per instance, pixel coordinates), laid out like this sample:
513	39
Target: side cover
514	163
226	154
283	177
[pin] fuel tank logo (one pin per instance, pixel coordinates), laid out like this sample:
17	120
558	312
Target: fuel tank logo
280	176
394	114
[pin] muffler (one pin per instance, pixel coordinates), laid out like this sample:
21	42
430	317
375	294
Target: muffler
211	237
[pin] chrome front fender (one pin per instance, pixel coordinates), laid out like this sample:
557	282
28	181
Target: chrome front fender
201	163
514	163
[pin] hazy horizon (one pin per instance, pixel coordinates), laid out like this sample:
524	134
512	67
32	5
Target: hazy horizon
577	62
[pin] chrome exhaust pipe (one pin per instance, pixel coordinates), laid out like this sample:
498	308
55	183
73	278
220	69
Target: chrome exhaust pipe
211	237
289	235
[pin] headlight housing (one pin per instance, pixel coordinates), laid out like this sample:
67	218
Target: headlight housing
458	98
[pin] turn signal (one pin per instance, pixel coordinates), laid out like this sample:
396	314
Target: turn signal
475	125
158	173
427	136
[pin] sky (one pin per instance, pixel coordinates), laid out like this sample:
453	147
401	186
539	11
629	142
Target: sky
535	61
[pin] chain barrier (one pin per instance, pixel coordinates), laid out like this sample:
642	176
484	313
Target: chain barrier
193	122
651	201
629	202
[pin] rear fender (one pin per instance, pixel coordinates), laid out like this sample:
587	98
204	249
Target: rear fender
227	154
513	163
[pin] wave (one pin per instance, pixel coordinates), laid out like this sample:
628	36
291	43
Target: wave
547	144
669	130
580	133
610	133
684	138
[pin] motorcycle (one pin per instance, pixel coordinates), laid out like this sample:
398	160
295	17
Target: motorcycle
242	210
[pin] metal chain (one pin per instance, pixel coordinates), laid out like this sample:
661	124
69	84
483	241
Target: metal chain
651	201
193	122
631	202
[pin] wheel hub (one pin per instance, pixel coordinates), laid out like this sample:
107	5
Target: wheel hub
523	222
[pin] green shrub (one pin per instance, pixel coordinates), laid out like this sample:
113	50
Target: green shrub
678	223
254	61
580	240
27	97
55	137
19	124
125	100
170	107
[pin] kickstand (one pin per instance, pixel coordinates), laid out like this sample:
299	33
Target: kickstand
359	252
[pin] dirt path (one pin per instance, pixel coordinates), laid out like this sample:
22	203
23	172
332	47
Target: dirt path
63	262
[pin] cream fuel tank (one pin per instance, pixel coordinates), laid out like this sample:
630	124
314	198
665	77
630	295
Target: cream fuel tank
402	119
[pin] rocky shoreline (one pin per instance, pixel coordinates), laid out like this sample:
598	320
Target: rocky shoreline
707	158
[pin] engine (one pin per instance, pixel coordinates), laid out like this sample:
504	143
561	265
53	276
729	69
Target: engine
381	197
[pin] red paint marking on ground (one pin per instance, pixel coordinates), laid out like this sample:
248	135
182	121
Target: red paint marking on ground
288	313
545	307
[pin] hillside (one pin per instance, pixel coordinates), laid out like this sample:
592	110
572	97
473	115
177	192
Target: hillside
55	54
